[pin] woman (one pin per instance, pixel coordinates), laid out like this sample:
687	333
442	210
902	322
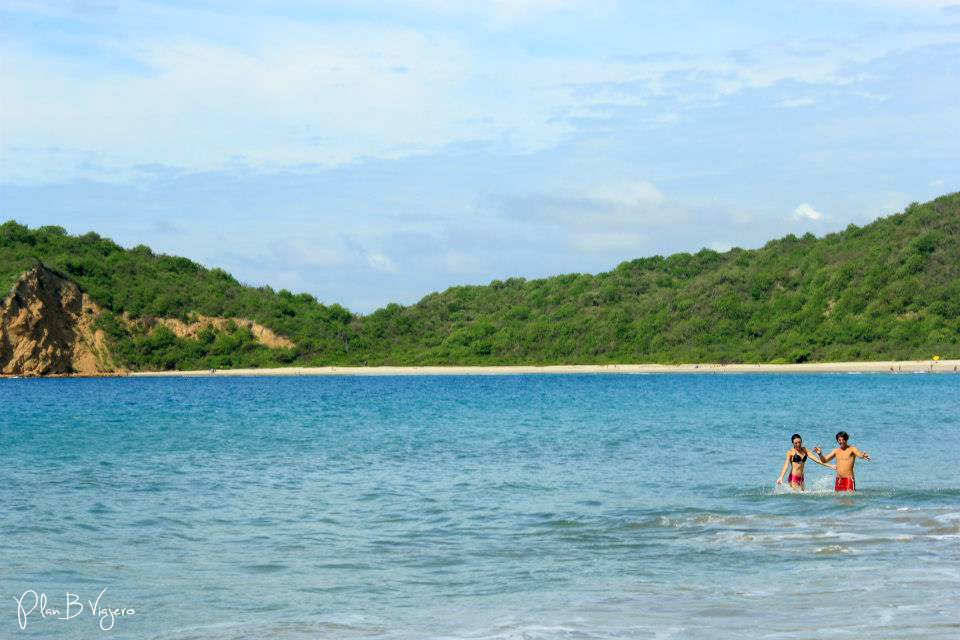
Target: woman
796	459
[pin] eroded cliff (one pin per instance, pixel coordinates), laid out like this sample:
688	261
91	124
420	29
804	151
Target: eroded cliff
46	328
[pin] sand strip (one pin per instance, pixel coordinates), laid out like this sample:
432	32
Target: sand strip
913	366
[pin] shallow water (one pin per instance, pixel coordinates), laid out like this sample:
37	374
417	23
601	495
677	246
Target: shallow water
594	506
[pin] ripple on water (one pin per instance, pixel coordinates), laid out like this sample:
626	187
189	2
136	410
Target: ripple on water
266	567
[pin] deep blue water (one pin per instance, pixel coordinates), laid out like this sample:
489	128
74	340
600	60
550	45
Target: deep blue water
581	506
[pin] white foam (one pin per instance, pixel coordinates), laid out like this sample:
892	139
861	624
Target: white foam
834	549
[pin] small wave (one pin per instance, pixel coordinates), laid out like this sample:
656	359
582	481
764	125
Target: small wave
715	518
99	507
702	520
563	523
530	631
833	550
270	567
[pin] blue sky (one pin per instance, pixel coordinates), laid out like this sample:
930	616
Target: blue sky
373	152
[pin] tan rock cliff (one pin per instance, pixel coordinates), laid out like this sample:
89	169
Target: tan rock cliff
191	330
46	327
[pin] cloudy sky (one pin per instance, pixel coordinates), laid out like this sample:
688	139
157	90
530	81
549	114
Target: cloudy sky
369	152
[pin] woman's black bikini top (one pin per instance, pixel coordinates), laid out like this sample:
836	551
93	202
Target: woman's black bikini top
797	458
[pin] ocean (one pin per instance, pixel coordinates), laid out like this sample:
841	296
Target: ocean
476	507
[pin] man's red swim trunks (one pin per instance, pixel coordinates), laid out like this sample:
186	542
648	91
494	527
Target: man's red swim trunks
844	484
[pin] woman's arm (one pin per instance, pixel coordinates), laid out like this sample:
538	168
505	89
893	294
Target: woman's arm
786	463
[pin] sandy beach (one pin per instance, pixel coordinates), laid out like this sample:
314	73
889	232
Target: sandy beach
910	366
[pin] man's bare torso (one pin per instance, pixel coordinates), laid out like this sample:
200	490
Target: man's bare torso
845	459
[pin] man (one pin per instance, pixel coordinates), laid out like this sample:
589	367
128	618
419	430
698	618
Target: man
846	456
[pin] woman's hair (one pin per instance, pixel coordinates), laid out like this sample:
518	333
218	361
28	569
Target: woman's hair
795	436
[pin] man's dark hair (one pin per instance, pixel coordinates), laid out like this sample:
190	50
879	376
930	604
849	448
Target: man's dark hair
845	435
795	436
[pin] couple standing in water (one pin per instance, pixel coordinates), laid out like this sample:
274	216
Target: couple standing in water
844	454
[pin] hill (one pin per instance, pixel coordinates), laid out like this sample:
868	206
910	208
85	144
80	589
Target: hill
888	290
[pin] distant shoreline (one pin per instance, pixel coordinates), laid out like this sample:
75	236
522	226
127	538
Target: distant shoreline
889	366
910	366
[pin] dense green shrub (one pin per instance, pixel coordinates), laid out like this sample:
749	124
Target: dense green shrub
890	289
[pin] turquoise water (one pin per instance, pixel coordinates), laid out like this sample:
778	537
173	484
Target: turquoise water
631	506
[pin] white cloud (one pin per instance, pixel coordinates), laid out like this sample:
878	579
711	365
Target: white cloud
311	252
458	261
511	11
792	103
604	242
497	14
628	193
207	86
381	262
602	209
808	212
328	98
902	4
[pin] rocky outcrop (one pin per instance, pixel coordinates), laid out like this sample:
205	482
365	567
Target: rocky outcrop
46	327
198	323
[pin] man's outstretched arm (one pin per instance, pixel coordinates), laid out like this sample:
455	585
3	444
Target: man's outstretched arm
860	454
818	451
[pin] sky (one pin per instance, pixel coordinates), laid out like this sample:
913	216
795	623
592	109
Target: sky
369	152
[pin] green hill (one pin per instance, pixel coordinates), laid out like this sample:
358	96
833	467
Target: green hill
889	290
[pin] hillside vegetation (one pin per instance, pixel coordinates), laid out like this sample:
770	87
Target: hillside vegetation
889	290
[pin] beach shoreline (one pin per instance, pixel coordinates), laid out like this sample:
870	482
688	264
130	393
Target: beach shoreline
908	366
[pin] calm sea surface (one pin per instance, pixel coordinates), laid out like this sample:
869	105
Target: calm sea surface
593	506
